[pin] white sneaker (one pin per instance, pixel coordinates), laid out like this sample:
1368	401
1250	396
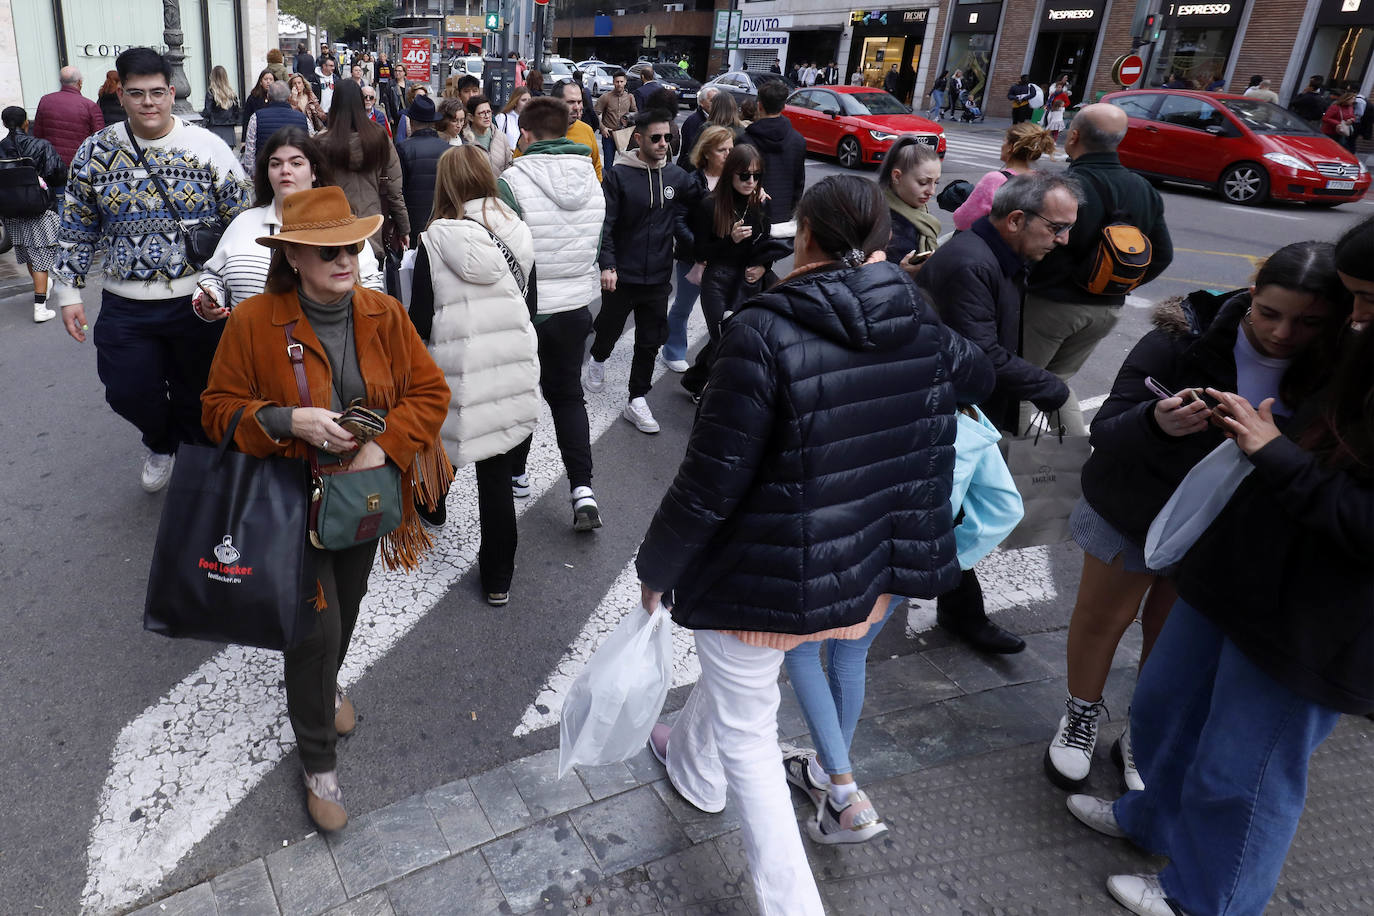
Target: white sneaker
157	470
1096	813
1070	754
594	376
1124	758
520	486
1141	894
676	365
638	413
42	313
586	513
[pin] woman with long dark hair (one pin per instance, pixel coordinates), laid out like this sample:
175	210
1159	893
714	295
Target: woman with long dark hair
730	226
365	164
290	162
470	305
760	546
1271	640
1277	339
257	96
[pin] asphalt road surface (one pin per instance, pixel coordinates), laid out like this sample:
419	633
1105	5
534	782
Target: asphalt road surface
135	764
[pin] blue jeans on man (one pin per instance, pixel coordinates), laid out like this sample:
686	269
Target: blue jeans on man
1223	749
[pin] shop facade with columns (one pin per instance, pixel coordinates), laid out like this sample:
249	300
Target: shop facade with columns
39	37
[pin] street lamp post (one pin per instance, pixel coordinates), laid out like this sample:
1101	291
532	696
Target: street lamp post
172	36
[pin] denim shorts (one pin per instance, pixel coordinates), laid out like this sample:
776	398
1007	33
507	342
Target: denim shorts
1100	540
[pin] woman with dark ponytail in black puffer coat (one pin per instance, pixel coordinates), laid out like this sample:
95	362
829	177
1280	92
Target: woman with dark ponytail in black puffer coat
816	484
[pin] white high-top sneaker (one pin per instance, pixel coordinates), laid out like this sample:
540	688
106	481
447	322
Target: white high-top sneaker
1070	755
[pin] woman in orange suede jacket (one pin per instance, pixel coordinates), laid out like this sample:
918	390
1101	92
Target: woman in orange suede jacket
358	345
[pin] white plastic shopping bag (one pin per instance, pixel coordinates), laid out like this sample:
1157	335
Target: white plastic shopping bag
1196	503
615	701
407	276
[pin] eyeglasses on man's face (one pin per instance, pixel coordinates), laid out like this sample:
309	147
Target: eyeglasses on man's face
1056	229
156	95
659	138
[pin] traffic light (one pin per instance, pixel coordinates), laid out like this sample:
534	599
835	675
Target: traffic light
1152	27
493	21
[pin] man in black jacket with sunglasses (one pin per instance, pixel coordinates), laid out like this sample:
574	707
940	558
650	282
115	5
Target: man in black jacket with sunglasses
647	201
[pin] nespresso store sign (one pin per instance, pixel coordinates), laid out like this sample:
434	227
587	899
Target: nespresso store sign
1073	15
1204	15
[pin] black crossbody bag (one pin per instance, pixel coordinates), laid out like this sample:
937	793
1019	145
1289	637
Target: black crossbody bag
202	238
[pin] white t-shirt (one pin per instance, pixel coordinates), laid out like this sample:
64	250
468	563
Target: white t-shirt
1258	376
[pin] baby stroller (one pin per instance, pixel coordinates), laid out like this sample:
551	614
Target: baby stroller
971	111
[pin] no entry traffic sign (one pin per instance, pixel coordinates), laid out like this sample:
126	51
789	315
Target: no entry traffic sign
1128	70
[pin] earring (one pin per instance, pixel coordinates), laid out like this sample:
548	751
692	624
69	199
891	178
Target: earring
1249	319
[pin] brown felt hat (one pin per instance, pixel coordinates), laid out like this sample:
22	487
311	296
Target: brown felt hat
321	217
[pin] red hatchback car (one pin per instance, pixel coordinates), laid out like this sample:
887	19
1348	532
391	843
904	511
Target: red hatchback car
1247	149
856	124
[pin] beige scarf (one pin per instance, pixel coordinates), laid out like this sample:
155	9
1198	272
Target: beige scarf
927	226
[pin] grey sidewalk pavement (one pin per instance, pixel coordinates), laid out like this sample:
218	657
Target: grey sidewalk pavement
950	751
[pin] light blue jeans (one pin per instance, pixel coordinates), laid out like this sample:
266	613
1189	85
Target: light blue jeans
681	310
831	700
1223	749
937	103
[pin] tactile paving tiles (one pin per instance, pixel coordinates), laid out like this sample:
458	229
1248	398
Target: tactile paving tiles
989	836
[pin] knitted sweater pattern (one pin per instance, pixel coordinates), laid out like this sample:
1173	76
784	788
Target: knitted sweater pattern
112	203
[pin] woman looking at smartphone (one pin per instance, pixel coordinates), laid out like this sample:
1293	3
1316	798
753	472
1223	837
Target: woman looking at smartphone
1277	339
908	176
730	226
290	162
1271	640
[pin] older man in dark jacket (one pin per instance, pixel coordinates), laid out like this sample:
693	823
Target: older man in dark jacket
783	150
976	281
66	117
1063	322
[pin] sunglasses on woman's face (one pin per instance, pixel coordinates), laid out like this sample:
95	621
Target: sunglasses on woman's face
330	252
750	176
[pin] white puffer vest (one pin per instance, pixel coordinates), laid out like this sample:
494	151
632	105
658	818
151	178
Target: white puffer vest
561	201
482	338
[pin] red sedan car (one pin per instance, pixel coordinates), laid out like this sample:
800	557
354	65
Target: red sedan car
856	124
1247	149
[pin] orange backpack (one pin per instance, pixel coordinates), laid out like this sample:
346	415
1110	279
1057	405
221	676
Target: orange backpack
1122	257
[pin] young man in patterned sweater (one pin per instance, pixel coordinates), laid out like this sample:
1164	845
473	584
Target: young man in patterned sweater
152	353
